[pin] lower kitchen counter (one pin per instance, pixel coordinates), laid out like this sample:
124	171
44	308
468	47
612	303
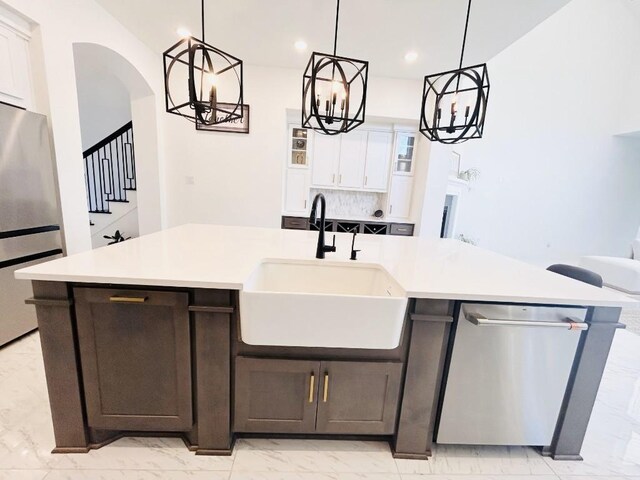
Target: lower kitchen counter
145	337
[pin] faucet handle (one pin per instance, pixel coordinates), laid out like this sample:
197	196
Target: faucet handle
331	248
354	252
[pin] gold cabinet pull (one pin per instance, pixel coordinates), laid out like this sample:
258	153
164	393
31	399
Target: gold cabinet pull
119	299
312	381
325	392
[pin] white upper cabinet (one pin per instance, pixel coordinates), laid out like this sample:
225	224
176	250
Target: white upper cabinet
326	153
15	76
297	192
400	197
376	172
353	151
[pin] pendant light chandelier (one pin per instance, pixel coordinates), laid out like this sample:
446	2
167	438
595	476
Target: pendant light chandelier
334	91
202	83
441	118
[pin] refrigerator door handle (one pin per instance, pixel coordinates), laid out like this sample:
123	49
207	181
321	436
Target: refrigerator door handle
567	324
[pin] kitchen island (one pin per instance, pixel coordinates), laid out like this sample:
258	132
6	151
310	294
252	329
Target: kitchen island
146	337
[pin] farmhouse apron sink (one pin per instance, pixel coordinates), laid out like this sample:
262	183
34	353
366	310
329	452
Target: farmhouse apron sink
321	304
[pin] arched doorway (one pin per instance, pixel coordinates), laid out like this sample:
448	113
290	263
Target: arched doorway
117	110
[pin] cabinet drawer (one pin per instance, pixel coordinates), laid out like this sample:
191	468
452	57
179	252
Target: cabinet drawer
295	223
405	229
136	358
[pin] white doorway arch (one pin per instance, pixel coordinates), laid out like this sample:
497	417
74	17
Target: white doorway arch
103	62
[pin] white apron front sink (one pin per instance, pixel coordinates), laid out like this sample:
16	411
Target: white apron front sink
321	304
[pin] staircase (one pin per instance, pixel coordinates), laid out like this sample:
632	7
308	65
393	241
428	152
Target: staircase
110	170
110	181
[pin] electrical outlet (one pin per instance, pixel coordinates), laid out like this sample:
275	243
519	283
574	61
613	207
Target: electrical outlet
189	180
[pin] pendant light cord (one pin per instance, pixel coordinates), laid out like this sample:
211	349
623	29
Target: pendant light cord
202	20
464	38
335	37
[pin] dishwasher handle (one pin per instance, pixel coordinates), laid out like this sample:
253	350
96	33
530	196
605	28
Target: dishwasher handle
482	321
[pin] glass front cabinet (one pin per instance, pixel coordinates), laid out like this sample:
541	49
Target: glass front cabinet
404	153
299	147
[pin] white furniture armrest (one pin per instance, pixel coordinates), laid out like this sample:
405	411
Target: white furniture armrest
620	273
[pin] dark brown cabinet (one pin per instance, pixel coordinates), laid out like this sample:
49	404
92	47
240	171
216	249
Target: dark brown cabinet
358	397
275	395
295	223
301	396
402	229
135	354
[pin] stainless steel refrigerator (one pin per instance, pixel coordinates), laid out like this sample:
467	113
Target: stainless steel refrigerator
29	213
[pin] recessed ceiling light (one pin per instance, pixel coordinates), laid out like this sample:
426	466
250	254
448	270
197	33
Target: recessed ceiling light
183	32
300	45
411	57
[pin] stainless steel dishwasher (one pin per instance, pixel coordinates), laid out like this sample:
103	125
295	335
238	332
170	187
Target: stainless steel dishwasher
508	373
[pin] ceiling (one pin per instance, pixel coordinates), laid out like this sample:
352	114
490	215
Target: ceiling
262	32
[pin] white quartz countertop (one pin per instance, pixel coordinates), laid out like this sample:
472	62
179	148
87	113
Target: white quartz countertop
214	256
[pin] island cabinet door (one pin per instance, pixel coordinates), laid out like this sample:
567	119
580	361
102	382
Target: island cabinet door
135	355
273	395
359	398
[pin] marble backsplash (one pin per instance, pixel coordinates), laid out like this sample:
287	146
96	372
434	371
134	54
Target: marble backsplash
348	204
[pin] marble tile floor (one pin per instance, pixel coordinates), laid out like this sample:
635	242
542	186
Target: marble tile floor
611	450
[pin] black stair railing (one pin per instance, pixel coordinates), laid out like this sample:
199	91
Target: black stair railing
110	169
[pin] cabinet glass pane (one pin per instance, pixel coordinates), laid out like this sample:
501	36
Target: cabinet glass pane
299	133
298	158
404	153
299	144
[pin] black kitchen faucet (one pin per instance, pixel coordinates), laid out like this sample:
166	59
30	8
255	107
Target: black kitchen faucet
322	248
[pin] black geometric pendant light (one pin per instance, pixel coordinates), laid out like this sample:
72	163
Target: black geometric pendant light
202	83
334	91
454	103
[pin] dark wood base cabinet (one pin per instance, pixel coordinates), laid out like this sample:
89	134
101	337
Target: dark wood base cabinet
324	397
131	360
135	352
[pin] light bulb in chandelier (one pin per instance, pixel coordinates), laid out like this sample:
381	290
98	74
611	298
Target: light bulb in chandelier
210	80
210	84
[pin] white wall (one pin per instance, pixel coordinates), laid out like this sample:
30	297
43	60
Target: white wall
555	184
437	172
57	27
103	102
238	178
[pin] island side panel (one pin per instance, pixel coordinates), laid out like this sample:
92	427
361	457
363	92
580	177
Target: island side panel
584	381
212	313
56	323
430	322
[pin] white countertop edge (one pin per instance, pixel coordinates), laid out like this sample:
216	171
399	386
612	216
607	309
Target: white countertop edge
155	282
150	282
524	299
